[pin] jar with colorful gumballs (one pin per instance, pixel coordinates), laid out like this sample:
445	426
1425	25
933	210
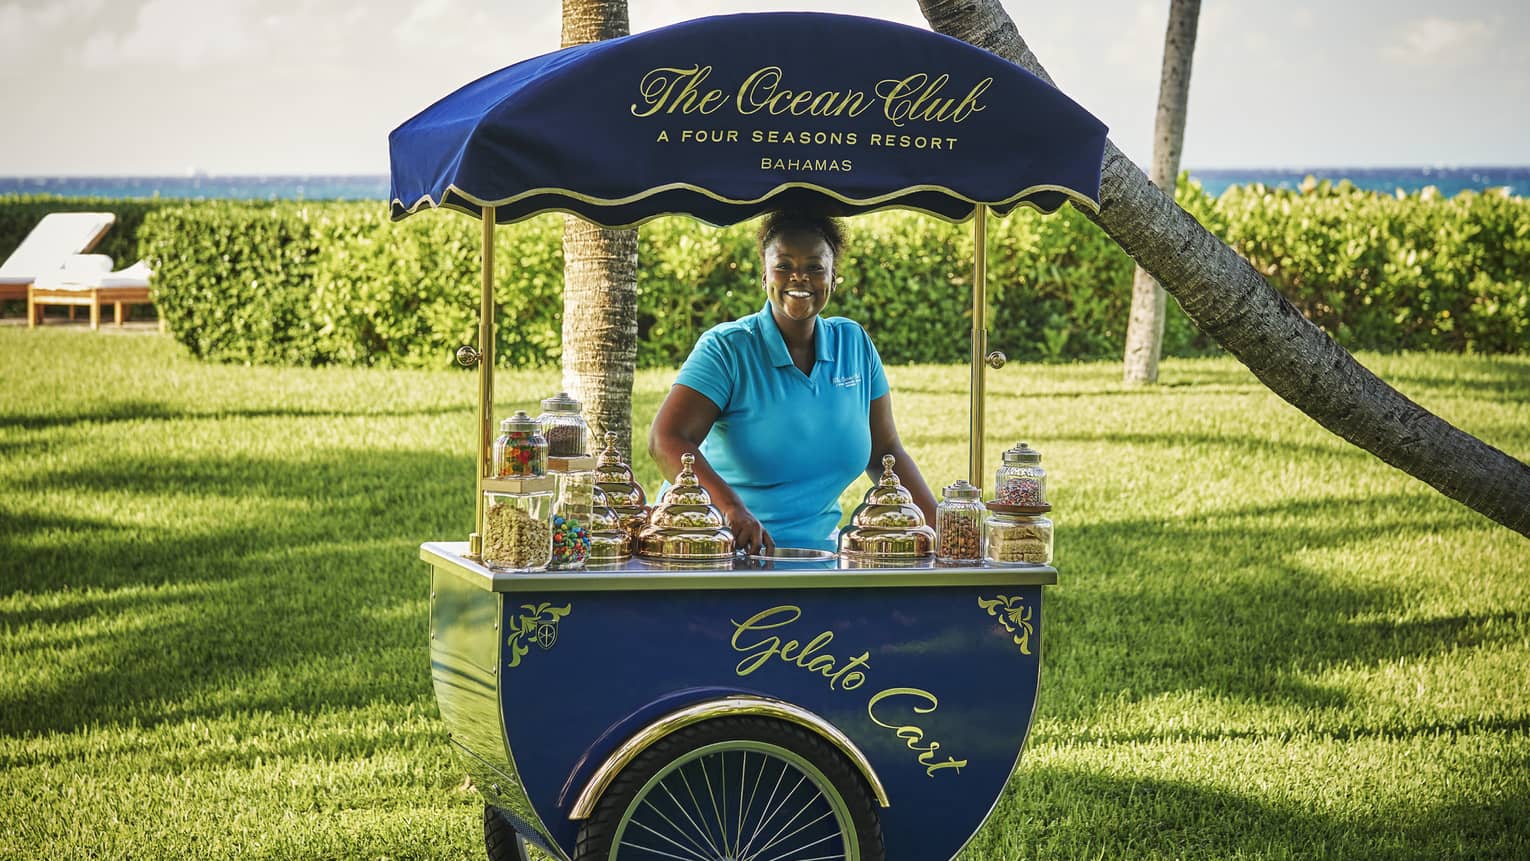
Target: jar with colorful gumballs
572	513
520	449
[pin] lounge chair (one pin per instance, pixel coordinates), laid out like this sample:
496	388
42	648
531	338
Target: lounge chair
57	236
88	279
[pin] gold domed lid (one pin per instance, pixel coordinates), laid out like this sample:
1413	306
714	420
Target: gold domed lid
685	525
602	517
615	478
887	523
888	504
610	540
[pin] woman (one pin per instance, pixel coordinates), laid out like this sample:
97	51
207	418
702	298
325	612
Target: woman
784	408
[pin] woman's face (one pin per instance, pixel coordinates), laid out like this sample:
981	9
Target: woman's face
799	273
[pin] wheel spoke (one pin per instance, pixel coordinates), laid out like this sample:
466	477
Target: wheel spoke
690	853
776	837
760	825
700	850
699	812
649	849
743	778
700	829
798	830
722	822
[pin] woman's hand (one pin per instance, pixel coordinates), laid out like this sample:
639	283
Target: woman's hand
683	421
748	535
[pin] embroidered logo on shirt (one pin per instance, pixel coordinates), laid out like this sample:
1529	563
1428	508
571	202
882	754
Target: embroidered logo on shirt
849	382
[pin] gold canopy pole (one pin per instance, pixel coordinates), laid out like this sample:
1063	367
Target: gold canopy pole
979	341
485	377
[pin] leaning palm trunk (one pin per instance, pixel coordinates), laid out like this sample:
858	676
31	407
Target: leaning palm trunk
1144	328
599	276
1233	304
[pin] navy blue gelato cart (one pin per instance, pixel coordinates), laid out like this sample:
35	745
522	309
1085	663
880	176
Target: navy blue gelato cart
748	711
739	713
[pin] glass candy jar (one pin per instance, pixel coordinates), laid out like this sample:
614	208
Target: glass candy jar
959	523
567	434
573	509
1020	479
517	523
1014	538
520	449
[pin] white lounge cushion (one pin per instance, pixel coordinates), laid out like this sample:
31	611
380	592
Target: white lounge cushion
136	275
56	236
87	263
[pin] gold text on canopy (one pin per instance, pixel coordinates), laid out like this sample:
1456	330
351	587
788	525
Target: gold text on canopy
917	97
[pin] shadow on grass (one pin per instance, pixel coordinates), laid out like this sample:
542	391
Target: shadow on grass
1066	813
1203	442
134	411
1224	607
311	597
999	395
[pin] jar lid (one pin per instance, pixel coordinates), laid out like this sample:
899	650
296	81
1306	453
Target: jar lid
962	489
1022	453
520	423
562	402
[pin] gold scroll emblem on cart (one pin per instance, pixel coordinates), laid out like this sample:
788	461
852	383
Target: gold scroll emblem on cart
1015	615
539	624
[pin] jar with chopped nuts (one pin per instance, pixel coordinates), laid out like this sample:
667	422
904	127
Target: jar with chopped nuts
1020	479
517	523
1013	538
959	524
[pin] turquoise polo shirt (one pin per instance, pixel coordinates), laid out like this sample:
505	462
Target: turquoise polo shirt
788	443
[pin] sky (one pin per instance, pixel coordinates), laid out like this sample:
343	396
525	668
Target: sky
168	87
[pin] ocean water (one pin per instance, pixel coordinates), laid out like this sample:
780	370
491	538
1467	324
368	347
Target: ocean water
1449	180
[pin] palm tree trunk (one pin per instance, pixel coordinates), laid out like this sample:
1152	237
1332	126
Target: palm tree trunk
1144	328
599	276
1233	304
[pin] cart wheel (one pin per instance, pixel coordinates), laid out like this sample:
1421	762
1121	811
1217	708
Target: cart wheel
732	789
499	838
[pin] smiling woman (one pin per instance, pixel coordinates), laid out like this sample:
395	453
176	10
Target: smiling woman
784	408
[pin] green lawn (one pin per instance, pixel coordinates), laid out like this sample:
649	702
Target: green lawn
1265	643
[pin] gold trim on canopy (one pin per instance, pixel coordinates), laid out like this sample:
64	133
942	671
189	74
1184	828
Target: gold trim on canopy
881	201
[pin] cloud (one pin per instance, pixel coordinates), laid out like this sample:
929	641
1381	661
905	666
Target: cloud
1435	40
184	33
24	27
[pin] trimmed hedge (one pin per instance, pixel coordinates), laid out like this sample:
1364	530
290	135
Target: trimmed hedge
1392	272
332	282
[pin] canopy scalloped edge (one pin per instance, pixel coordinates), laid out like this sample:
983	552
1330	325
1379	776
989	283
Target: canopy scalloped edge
870	204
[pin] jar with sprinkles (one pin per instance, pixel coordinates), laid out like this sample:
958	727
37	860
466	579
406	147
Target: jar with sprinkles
1020	479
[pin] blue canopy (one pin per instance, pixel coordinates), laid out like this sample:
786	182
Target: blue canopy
726	117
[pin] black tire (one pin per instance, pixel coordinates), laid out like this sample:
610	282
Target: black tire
500	841
676	797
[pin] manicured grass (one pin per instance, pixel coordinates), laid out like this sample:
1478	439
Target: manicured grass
1265	643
